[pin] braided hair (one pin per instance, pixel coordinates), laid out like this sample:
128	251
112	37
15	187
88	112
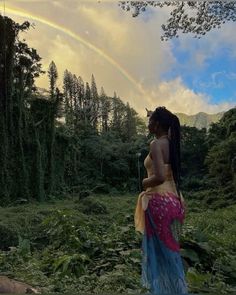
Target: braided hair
168	120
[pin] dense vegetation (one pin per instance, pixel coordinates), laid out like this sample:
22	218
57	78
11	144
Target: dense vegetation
90	246
67	175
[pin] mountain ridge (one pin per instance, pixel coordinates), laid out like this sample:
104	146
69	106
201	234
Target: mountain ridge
200	119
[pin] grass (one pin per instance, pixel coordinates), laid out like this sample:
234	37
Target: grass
90	245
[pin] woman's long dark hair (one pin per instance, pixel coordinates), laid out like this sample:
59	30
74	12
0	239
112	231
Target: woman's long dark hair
168	120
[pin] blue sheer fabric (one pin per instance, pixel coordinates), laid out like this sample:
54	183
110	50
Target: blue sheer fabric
162	268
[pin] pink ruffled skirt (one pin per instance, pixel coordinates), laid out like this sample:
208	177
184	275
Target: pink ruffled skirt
162	266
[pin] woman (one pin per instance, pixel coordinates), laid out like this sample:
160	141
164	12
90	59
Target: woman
160	208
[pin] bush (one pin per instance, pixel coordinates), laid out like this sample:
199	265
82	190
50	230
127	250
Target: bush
8	237
90	206
194	183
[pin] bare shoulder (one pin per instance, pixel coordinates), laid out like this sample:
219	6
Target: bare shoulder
160	147
158	143
154	144
155	147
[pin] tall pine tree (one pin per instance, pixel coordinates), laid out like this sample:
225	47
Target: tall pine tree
53	76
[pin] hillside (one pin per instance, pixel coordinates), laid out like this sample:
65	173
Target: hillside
199	120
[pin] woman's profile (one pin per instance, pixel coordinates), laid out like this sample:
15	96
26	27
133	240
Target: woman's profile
160	208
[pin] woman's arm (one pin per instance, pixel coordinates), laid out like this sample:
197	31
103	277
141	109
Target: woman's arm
158	166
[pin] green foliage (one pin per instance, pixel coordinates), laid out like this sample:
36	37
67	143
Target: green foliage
207	283
24	248
91	206
208	168
221	130
71	264
61	230
91	254
193	153
8	237
219	159
194	183
221	156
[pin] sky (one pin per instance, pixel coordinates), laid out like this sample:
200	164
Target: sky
126	55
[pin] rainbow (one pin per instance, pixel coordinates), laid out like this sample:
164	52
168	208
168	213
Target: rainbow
124	72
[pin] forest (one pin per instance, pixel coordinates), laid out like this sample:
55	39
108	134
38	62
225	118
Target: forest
71	165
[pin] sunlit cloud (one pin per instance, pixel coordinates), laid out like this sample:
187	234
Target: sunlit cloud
178	98
126	54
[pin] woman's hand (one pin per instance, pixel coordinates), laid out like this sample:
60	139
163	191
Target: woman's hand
142	193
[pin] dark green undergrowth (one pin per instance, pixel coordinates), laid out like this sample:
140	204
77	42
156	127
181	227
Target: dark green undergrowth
90	246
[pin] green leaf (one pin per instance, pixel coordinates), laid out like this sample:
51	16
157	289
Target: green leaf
191	254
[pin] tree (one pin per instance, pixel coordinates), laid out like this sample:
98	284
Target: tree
68	107
52	113
141	126
118	113
95	102
129	123
105	108
192	153
87	103
7	41
195	17
222	149
53	76
80	103
20	65
219	161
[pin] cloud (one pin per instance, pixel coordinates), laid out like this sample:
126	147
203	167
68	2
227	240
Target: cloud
179	98
215	81
133	43
57	46
209	46
105	26
128	44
